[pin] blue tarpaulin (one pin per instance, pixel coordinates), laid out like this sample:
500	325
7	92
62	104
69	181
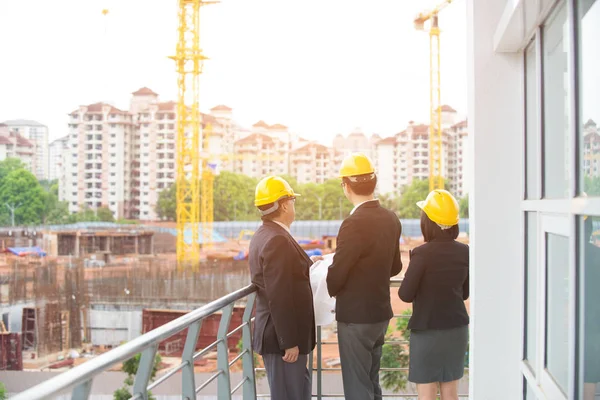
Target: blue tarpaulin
24	251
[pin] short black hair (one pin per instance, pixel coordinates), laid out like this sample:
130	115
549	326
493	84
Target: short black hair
363	187
432	231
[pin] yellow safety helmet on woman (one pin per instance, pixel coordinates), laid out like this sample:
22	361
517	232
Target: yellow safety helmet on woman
441	207
271	189
356	164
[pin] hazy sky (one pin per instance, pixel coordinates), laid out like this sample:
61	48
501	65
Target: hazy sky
321	67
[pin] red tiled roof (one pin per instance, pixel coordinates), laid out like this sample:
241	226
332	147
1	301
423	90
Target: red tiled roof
220	107
167	106
278	127
253	138
144	92
5	140
21	141
588	138
261	124
209	119
461	124
97	107
421	128
308	147
447	108
388	140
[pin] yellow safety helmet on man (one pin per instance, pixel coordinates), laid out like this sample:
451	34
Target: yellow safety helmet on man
357	164
441	207
270	190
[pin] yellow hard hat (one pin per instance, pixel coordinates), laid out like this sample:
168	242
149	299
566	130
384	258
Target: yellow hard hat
441	207
271	189
356	164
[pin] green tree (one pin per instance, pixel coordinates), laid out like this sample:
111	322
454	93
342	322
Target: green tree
104	214
412	193
130	367
394	355
464	207
591	185
3	395
9	165
55	211
20	189
166	206
234	197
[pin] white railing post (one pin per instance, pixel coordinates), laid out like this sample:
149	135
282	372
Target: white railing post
249	388
223	381
82	391
188	383
144	372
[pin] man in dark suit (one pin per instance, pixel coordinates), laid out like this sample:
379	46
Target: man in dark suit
284	328
366	256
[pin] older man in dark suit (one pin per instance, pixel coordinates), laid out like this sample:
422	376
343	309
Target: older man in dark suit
284	328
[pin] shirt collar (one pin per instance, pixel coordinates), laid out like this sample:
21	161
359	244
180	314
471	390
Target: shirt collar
284	226
360	204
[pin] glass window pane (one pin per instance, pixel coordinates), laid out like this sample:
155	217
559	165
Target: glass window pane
557	308
531	297
590	314
589	86
531	110
556	105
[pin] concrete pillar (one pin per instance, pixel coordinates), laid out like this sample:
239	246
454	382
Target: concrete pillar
151	244
495	191
137	244
76	252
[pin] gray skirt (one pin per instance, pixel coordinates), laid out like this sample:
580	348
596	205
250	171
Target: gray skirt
438	355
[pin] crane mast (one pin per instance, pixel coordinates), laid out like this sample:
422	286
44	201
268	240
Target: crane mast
436	178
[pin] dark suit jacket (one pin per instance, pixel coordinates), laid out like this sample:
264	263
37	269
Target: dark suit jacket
285	316
366	256
437	283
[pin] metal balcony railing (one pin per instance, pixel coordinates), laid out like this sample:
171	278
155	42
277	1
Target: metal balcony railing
80	378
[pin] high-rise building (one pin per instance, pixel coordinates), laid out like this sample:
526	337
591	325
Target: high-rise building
56	151
36	134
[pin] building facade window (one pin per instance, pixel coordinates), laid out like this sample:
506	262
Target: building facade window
561	338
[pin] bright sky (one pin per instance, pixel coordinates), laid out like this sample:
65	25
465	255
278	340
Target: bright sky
321	67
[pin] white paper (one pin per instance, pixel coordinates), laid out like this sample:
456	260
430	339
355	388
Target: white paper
324	304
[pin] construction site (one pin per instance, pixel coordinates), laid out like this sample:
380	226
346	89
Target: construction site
69	294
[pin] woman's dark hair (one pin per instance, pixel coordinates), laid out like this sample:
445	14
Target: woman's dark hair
362	187
432	231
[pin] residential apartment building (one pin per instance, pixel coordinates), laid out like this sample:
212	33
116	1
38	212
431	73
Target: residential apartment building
98	164
56	152
123	159
405	156
36	134
356	142
259	155
13	145
315	163
591	149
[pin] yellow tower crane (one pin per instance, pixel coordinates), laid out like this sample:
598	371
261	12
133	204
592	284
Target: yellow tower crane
436	179
189	61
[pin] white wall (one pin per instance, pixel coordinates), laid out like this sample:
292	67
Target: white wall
495	83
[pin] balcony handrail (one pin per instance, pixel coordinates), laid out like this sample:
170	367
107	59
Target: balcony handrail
81	376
